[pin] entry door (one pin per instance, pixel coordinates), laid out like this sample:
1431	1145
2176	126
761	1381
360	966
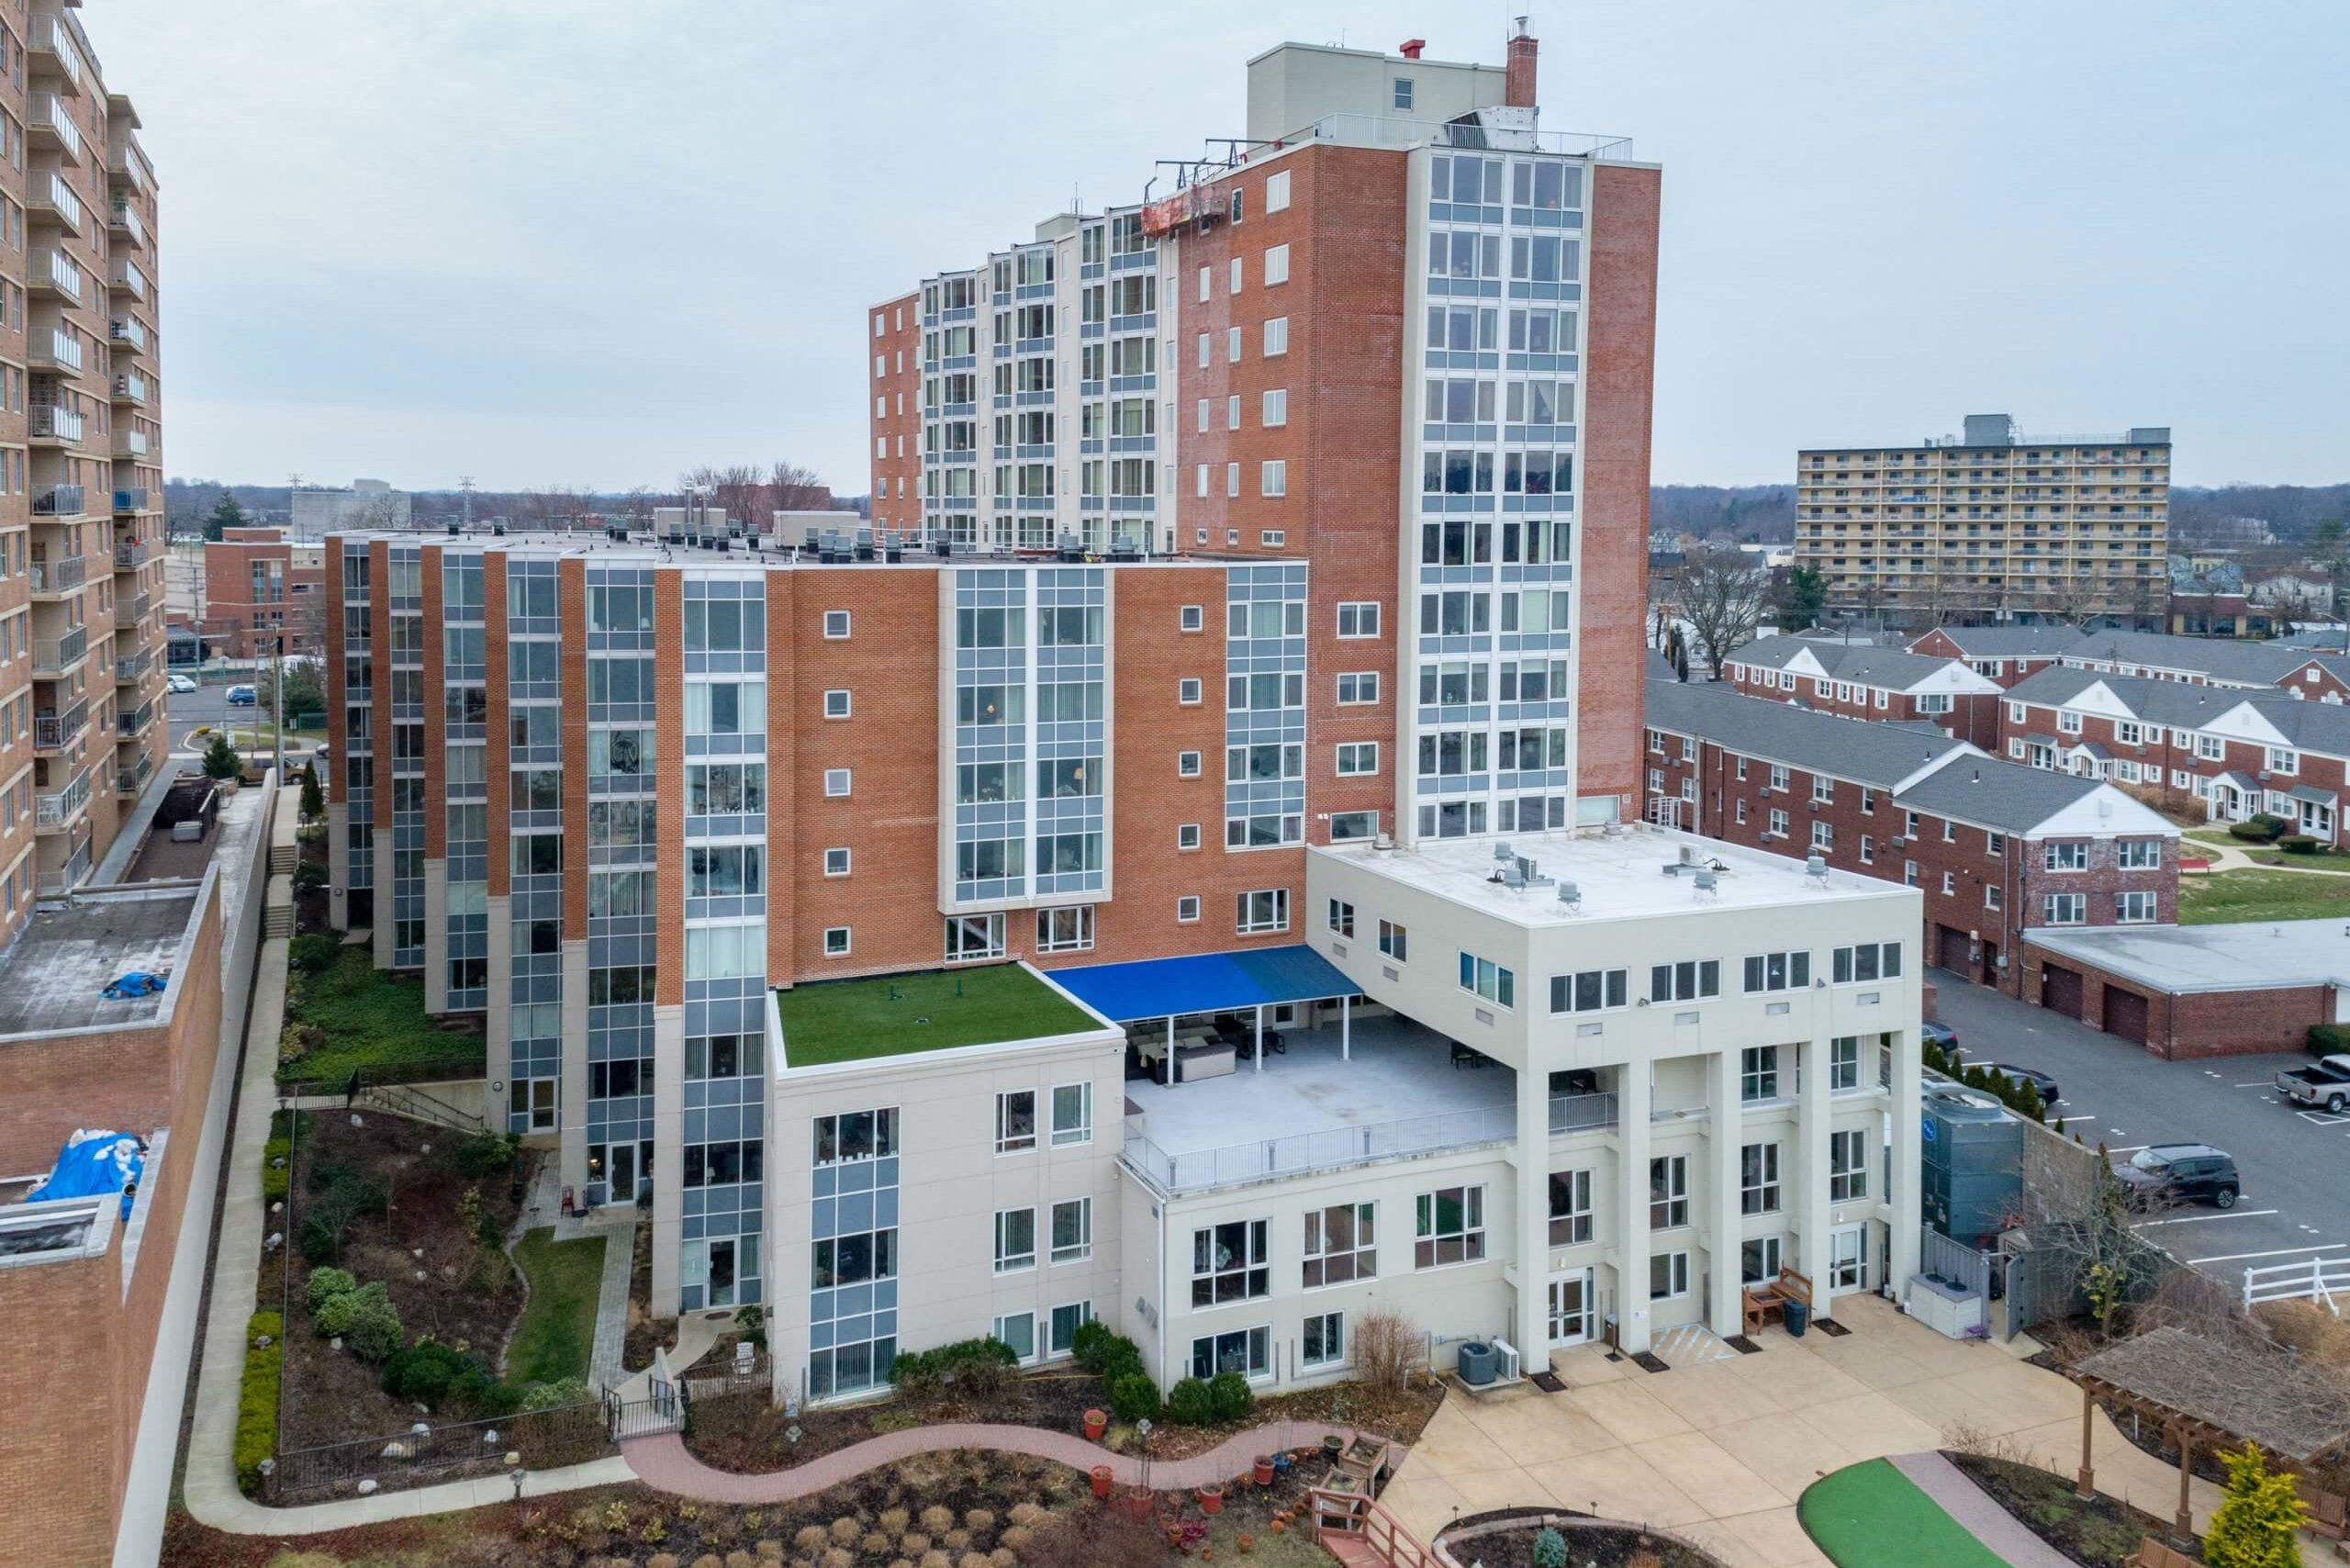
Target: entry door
721	1273
623	1158
1847	1259
1570	1313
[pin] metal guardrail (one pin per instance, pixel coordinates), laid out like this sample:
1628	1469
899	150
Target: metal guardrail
1333	1148
567	1434
1582	1113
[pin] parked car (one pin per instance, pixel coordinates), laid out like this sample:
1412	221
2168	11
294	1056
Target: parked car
2049	1094
2179	1173
2325	1082
1940	1035
180	683
241	697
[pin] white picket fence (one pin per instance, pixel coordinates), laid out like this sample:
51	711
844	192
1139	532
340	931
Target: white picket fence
2324	1280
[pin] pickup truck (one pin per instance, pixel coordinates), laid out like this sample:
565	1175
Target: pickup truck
2324	1083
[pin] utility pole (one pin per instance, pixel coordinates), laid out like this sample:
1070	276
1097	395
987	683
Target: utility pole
466	485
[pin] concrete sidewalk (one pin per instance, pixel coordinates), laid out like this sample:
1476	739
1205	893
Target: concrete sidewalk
1974	1510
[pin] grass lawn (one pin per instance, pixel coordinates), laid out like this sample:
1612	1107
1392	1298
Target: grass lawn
893	1015
1870	1516
2219	835
558	1326
353	1015
2261	895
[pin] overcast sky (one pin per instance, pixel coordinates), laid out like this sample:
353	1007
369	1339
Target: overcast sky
596	242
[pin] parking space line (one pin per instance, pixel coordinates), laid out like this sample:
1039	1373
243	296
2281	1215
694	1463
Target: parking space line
2321	1119
2262	1084
2198	1219
2280	1252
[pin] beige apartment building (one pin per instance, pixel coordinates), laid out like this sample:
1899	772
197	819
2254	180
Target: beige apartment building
81	477
1992	526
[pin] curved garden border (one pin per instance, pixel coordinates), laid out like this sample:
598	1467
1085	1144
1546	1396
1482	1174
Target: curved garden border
1494	1522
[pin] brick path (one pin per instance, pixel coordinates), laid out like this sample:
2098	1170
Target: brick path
662	1461
1976	1513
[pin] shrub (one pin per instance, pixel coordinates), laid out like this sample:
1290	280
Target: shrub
1133	1397
2256	1523
276	1168
337	1310
551	1396
1189	1404
1106	1353
2326	1039
1387	1347
1550	1548
325	1285
2298	844
221	759
425	1371
980	1368
485	1154
257	1398
313	953
365	1319
1230	1396
2260	829
752	1321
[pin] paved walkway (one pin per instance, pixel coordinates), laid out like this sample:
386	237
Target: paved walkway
663	1461
1972	1507
2231	858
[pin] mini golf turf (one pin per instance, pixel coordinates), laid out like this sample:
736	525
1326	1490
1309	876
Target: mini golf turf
1871	1516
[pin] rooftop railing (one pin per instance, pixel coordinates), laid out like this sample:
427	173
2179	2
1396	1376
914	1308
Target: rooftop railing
1391	131
1298	1153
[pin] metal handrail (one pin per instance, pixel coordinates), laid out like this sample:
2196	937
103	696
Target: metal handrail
1333	1148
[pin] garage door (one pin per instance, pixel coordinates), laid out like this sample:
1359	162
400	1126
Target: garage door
1953	950
2059	989
2125	1014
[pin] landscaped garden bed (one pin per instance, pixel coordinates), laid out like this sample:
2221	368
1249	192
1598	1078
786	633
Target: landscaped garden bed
1549	1537
2101	1532
343	1015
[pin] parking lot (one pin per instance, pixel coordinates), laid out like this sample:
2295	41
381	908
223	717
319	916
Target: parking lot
2295	1164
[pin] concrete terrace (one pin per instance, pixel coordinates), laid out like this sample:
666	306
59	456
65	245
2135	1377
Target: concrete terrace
52	975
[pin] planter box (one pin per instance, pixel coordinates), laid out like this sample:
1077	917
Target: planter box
1946	1309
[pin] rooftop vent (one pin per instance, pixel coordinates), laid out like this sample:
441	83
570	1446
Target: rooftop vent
1816	867
1571	896
1503	853
1410	48
1706	882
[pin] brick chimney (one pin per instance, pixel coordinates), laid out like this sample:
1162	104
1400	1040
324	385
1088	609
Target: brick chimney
1410	48
1518	85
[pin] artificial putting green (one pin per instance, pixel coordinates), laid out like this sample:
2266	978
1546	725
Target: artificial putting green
1872	1516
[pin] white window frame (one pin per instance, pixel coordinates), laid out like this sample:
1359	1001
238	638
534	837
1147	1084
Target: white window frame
1357	759
1187	910
1364	615
837	866
1187	836
839	709
1015	1263
1275	408
1007	1139
1189	692
1276	336
1081	1248
836	625
1676	1275
836	941
838	782
1276	265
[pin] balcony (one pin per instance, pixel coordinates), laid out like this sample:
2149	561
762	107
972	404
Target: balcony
68	574
62	656
55	812
58	500
126	158
130	781
131	555
54	54
131	725
68	877
124	220
52	127
127	278
54	273
54	421
130	610
55	731
1311	1111
130	388
133	500
131	332
129	442
1583	1113
54	349
131	671
48	196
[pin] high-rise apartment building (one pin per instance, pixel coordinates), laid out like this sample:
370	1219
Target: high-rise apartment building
81	466
1257	559
1993	525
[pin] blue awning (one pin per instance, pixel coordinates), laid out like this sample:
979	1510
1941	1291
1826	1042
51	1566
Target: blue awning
1205	982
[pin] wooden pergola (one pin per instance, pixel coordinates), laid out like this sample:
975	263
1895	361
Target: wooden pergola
2207	1393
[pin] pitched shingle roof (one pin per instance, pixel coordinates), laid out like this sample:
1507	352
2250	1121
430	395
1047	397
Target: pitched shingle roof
1890	668
2008	642
2309	725
2218	658
2007	796
1877	755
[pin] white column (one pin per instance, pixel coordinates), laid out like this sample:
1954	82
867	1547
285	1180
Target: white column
1345	1028
381	931
1814	1215
1533	1260
1723	1308
669	1154
436	936
338	862
499	1058
1905	1205
1632	1207
1260	1037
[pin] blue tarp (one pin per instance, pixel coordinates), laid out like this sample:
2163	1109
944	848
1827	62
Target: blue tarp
1205	982
93	1162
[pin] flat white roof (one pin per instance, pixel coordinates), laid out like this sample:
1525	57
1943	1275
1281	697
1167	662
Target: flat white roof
2245	956
1638	872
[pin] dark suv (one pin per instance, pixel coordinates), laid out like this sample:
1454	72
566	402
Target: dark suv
2179	1173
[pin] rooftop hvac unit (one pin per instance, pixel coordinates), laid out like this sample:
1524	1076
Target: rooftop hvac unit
1816	865
1688	854
1571	895
1503	853
1707	883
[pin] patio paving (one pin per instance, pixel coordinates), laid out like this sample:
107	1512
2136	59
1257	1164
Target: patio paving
1721	1451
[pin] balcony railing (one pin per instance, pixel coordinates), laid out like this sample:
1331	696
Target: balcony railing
132	555
134	723
1583	1113
54	658
131	499
47	195
124	218
127	277
129	442
131	671
128	330
56	422
61	576
130	388
68	877
54	273
54	348
55	731
51	43
130	781
59	501
130	610
1297	1154
53	123
126	158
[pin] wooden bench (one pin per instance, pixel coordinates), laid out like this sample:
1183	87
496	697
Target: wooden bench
1761	1303
2152	1553
2327	1514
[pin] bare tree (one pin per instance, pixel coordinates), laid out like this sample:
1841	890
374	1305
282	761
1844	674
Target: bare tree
1389	1347
1723	594
794	486
1940	600
2072	597
2149	601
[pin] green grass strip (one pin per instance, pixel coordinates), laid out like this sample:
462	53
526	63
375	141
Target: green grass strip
1871	1516
558	1328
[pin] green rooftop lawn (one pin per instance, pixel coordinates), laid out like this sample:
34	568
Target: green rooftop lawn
861	1019
1871	1516
2226	896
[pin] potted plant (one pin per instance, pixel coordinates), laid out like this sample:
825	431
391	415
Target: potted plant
1264	1470
1211	1498
1096	1423
1247	1543
1101	1478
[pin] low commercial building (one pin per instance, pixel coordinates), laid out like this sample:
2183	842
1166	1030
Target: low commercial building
2188	991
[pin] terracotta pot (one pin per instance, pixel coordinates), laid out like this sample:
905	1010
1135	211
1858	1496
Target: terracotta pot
1247	1543
1102	1475
1280	1523
1264	1470
1096	1423
1210	1499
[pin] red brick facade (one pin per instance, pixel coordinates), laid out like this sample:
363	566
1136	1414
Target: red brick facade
1973	718
2005	670
2183	1028
893	333
258	590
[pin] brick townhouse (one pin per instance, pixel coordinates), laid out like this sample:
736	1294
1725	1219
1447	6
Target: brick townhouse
2002	654
2212	661
1998	849
2228	752
1861	681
